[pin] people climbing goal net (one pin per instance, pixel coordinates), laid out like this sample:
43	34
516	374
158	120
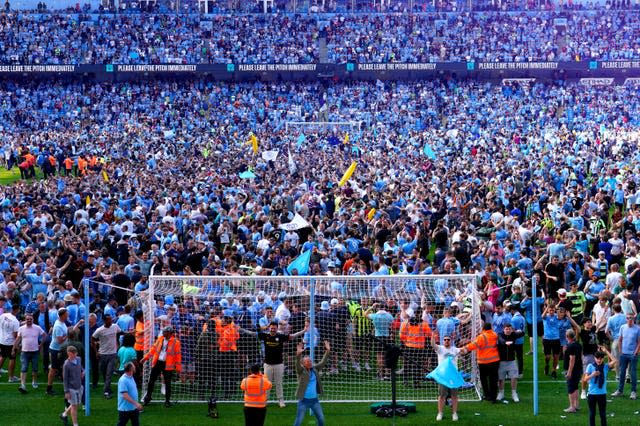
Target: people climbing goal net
360	317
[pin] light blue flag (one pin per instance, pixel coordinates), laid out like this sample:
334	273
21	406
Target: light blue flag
301	263
61	185
301	140
447	375
428	151
247	175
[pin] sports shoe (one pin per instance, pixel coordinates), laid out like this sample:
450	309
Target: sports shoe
616	393
439	417
633	395
554	375
65	419
107	395
3	371
14	379
34	385
169	404
583	394
500	396
400	371
356	367
281	403
22	390
514	396
50	392
569	410
367	366
454	417
546	370
334	371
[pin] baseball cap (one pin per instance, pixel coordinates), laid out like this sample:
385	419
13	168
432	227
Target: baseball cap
562	292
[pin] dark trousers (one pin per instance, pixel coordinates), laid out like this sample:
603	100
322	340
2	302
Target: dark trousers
125	416
489	380
519	356
254	416
601	402
155	373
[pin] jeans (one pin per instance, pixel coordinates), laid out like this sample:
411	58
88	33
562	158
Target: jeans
306	404
107	367
601	402
631	362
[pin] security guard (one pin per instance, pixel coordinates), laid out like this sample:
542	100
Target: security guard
256	387
488	358
166	357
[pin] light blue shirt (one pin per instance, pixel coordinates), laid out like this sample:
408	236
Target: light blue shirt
381	323
551	327
630	337
59	330
127	384
312	390
594	389
446	327
614	323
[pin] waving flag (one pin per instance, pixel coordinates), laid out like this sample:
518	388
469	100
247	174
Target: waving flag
333	141
270	155
347	174
292	164
105	176
447	374
428	151
247	175
301	263
254	143
298	222
301	140
346	139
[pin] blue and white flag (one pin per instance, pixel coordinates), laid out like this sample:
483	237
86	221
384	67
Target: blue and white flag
447	375
301	263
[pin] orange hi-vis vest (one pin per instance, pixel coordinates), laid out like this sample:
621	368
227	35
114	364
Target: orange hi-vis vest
139	333
174	354
414	336
227	337
487	346
255	388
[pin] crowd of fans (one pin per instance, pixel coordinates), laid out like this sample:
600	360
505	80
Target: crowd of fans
443	37
140	179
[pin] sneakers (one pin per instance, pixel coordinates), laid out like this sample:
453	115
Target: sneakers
633	395
570	410
500	396
65	419
22	390
554	375
583	394
616	393
281	403
3	371
169	404
107	395
50	392
400	371
514	396
14	379
439	417
334	371
356	367
546	370
34	385
454	417
367	366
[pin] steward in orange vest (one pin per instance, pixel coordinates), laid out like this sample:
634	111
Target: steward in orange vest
256	387
165	358
488	358
413	335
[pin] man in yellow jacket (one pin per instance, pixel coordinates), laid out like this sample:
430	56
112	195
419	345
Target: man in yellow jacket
166	357
256	387
486	345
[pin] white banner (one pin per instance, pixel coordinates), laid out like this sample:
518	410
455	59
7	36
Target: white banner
270	155
298	222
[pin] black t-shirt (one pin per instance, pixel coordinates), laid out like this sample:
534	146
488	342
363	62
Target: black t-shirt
573	349
589	341
273	347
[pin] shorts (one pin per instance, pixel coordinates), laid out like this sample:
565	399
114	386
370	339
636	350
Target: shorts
29	357
6	351
551	346
75	396
602	337
381	342
573	383
508	370
56	359
588	359
444	392
530	330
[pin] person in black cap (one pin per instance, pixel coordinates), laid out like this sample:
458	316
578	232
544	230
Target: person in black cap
166	357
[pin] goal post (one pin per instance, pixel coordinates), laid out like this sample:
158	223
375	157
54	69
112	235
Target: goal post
355	371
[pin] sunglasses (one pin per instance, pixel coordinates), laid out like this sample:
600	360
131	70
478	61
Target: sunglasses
446	340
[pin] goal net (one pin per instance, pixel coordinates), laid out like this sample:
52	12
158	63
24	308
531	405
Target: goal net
337	309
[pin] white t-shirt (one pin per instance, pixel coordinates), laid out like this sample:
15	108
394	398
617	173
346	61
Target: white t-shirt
29	336
444	352
108	339
9	325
